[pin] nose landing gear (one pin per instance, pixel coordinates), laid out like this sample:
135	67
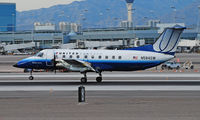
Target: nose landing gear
99	79
31	77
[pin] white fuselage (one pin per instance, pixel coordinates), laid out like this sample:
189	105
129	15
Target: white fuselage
105	60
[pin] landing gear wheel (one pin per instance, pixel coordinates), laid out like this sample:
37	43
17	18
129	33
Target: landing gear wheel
83	80
99	79
177	67
31	78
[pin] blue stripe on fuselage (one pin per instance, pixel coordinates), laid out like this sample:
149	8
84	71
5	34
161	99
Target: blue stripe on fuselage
34	63
104	65
123	65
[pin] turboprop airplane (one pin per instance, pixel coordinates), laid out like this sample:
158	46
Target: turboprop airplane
83	61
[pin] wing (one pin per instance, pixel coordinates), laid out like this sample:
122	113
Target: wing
74	65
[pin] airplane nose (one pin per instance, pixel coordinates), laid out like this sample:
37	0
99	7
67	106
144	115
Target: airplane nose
15	65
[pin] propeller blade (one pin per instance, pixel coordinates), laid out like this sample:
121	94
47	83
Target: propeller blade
54	63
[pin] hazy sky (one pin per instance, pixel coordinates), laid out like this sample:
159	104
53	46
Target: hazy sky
23	5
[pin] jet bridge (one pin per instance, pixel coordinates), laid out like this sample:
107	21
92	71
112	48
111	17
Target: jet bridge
12	47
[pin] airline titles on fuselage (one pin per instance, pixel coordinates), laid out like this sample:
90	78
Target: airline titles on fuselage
76	55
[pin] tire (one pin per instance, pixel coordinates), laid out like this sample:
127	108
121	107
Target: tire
162	67
177	67
31	78
169	68
99	79
83	80
192	67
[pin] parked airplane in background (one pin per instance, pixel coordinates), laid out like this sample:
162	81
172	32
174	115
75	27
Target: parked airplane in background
83	61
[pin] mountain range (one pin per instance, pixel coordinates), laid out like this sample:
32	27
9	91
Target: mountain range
108	13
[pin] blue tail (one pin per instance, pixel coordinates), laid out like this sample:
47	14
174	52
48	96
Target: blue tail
167	42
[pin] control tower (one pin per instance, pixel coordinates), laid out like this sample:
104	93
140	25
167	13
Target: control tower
129	6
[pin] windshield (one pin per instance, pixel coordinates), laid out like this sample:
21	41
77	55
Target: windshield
40	54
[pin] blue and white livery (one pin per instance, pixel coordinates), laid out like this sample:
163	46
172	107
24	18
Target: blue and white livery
83	61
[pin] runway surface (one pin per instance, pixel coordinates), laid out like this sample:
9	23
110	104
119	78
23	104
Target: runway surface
101	105
106	75
114	81
121	96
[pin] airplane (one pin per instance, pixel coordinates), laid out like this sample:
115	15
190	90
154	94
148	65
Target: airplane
83	61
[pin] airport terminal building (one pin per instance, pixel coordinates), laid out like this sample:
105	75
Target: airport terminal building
53	38
7	17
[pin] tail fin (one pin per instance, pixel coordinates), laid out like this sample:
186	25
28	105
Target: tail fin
168	40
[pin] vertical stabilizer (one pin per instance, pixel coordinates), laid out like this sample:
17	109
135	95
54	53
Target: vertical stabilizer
168	40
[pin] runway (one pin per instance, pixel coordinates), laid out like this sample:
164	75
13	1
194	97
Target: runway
106	76
121	96
111	105
114	81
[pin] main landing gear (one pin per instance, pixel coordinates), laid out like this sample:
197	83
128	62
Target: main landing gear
99	78
84	79
31	77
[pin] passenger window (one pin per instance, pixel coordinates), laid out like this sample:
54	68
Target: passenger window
120	57
63	53
92	56
64	56
99	57
77	56
113	57
70	56
106	57
60	53
85	57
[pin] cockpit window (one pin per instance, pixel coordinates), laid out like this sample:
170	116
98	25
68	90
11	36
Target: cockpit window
40	54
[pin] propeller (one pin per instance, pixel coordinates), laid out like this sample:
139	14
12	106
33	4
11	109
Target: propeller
54	63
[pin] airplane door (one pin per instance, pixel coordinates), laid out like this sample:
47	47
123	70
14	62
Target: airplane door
49	58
